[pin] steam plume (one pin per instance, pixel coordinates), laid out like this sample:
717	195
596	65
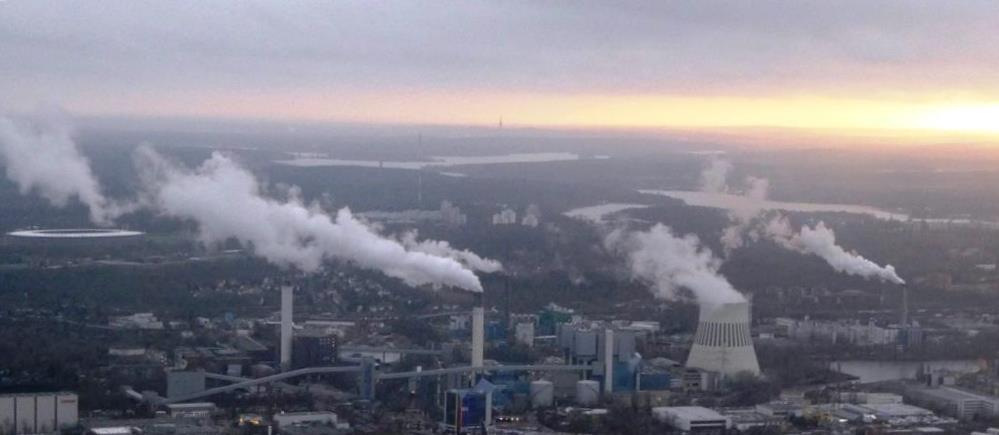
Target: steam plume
743	218
672	263
444	249
715	176
821	241
226	202
40	156
714	179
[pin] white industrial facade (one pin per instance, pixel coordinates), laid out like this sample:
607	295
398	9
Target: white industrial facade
692	418
38	413
723	342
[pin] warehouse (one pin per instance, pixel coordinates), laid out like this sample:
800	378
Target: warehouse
38	413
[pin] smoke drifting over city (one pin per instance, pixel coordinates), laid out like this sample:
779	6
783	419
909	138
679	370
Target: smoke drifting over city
821	241
673	264
749	222
285	233
39	155
442	248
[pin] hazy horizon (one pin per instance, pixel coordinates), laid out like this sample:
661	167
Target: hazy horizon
894	69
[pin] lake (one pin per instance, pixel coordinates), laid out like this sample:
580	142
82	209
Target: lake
745	203
877	371
596	213
305	160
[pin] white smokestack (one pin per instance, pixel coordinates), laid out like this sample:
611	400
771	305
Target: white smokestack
287	324
608	361
821	241
478	335
673	264
40	156
227	202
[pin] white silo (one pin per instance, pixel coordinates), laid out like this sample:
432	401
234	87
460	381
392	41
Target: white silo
723	342
587	393
542	394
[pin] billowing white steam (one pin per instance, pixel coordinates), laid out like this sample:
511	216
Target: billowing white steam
714	177
747	221
672	263
821	241
40	156
226	202
743	218
441	248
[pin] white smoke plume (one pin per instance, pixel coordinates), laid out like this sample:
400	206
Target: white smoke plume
714	177
743	218
226	201
40	156
821	241
673	264
442	248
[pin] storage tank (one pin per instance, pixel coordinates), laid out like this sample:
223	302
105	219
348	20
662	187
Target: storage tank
587	393
542	394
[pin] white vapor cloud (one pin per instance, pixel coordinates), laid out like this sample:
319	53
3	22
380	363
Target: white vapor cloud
226	201
714	177
821	241
749	222
442	248
40	156
672	264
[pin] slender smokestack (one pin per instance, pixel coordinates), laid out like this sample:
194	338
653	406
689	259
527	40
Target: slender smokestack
478	332
286	326
905	305
608	361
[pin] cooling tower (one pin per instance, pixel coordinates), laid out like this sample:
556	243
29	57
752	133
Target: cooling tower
723	343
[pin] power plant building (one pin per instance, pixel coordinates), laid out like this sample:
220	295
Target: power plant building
723	342
313	349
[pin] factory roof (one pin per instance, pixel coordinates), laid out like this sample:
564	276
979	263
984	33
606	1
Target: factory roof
117	430
192	405
950	393
39	393
691	413
897	410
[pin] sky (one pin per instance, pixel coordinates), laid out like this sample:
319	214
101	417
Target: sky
836	65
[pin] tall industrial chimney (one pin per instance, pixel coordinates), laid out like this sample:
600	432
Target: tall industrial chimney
905	305
723	342
286	326
478	332
608	361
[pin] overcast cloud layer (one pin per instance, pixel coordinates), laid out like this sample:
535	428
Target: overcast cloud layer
80	52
